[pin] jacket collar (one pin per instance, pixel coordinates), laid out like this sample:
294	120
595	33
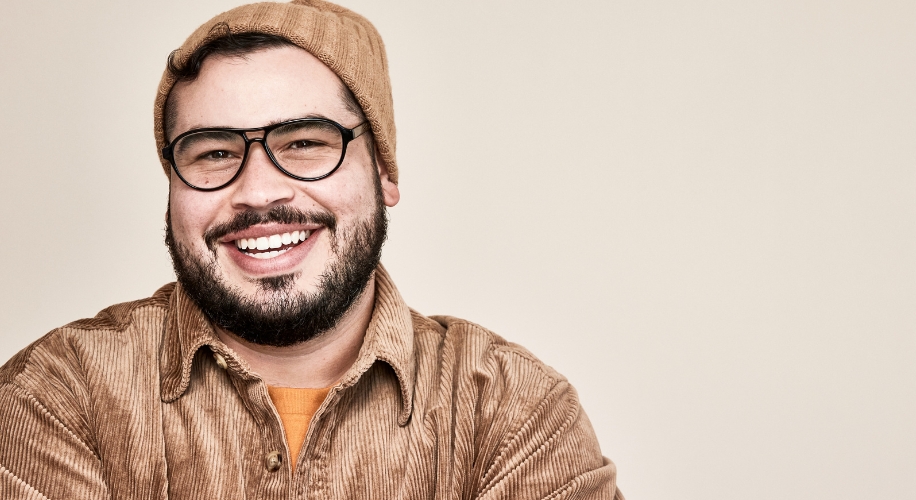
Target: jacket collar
389	339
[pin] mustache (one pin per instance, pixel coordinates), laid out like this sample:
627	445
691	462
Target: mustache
282	214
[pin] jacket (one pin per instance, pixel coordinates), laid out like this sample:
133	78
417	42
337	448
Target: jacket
144	401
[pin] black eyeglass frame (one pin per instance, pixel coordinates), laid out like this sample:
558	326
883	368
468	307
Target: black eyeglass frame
347	135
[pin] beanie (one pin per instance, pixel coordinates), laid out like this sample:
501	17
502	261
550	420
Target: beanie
343	40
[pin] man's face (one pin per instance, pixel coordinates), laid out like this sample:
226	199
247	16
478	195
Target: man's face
292	293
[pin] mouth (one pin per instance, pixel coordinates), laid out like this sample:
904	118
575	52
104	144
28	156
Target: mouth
271	246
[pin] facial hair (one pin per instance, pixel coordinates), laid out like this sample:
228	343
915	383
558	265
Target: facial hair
279	315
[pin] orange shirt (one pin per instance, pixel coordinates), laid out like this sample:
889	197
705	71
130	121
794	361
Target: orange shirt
296	407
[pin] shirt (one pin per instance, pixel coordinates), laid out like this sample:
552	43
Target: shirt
295	408
144	401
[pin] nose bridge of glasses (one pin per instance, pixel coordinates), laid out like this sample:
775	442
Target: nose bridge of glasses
260	139
259	136
255	135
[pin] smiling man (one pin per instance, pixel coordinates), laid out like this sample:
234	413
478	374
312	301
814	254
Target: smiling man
284	363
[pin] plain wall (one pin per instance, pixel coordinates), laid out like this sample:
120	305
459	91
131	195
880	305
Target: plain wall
701	212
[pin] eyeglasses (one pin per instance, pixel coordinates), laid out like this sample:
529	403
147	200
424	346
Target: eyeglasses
307	149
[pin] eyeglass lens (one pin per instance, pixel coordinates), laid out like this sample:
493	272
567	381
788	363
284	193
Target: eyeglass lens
304	149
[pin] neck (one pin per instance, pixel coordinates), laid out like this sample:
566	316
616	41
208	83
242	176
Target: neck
316	363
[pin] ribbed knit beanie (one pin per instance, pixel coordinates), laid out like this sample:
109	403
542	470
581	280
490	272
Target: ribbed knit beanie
343	40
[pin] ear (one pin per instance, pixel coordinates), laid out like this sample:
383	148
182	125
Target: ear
390	190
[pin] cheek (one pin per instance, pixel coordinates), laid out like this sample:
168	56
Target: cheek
191	213
343	201
349	193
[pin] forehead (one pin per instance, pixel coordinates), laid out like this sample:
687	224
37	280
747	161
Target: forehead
256	89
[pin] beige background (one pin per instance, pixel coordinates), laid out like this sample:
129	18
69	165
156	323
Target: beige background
701	212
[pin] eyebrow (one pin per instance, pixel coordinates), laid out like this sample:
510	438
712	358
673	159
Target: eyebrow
272	122
193	139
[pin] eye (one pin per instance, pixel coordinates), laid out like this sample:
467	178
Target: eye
216	155
304	144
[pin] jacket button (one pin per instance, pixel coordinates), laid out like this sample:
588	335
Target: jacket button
220	360
273	461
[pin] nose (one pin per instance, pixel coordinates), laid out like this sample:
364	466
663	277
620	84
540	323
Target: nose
261	185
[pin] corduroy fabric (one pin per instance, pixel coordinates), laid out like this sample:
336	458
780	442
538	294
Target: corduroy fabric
132	404
340	38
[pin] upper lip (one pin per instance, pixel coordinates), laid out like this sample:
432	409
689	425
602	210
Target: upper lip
264	230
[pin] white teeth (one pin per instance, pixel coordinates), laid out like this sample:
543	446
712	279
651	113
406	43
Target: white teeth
269	255
272	241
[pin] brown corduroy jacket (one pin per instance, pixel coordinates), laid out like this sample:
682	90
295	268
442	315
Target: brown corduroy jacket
144	401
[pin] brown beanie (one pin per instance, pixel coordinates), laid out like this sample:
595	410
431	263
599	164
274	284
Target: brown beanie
343	40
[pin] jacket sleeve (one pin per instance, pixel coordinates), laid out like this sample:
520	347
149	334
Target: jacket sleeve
553	453
42	456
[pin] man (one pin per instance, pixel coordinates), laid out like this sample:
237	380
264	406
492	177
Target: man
284	363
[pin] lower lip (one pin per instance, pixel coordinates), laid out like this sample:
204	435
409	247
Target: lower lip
281	264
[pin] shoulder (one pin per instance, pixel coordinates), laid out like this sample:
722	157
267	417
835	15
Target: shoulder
64	349
525	417
473	363
51	383
472	343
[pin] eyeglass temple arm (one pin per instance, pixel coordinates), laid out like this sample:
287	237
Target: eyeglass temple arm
361	129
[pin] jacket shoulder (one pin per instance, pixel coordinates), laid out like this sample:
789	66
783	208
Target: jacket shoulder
490	349
525	417
59	343
119	316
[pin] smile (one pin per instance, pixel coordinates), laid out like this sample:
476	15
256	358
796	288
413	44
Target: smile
268	247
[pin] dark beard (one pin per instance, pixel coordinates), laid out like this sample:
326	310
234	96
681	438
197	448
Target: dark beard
285	317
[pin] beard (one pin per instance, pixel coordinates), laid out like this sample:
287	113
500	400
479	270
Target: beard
277	314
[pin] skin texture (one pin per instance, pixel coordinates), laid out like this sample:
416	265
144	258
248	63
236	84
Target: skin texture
261	88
